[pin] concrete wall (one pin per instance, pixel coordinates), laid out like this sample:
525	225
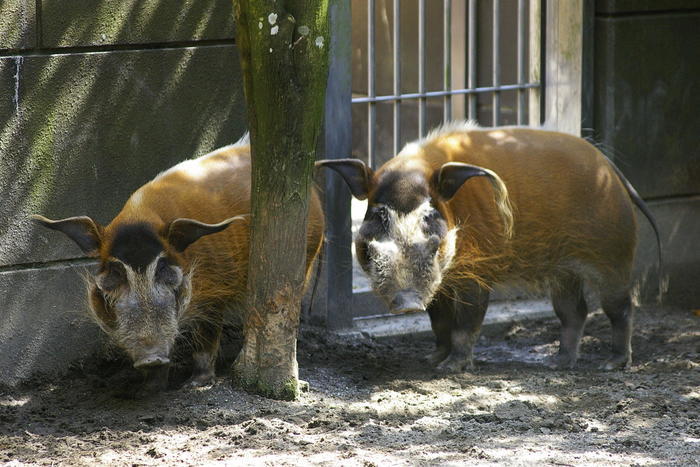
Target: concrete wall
96	98
646	96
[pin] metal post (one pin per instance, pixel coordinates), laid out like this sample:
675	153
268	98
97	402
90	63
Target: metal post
397	75
496	102
421	68
331	301
471	80
521	62
447	60
371	91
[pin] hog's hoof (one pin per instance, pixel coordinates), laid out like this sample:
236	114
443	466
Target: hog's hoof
455	364
619	362
562	362
435	357
200	380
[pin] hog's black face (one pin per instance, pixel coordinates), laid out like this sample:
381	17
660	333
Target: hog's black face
141	292
140	295
404	244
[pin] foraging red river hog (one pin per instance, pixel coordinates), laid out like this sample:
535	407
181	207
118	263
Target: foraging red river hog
544	209
176	257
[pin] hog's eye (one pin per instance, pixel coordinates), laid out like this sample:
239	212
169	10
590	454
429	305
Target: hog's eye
112	276
378	215
165	272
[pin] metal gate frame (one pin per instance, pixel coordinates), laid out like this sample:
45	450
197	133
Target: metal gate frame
556	94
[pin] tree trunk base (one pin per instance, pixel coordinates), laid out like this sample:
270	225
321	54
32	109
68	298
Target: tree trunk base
278	380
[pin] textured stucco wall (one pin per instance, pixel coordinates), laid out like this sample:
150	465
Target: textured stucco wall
646	95
104	98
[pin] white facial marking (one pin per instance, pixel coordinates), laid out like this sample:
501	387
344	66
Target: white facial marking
408	228
406	258
449	249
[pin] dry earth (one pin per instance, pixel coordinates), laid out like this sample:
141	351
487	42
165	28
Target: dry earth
376	403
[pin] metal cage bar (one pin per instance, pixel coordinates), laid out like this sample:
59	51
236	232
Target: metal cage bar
457	92
447	59
496	68
371	91
521	61
422	107
397	75
471	63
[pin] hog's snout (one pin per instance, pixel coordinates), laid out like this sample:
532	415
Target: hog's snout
406	301
151	360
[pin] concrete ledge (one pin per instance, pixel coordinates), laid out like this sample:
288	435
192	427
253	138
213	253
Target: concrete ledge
43	325
498	315
679	223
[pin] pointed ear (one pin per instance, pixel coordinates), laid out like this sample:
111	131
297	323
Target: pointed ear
183	232
85	232
355	173
452	175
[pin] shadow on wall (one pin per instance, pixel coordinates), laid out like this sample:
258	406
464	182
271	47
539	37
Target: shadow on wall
81	129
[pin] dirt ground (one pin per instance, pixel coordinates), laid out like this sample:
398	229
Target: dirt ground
375	402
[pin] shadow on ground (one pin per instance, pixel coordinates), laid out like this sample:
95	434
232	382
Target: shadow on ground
376	402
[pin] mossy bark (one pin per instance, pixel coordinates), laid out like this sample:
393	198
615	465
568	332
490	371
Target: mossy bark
283	48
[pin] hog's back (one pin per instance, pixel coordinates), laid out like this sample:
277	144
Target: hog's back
571	211
211	189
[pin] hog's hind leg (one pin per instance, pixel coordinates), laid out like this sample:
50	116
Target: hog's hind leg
571	308
620	310
468	310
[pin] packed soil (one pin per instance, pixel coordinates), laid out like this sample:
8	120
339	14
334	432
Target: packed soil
375	402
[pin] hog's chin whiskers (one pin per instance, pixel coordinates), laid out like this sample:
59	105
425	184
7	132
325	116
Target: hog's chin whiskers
184	295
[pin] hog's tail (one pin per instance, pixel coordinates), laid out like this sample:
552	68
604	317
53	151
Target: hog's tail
639	202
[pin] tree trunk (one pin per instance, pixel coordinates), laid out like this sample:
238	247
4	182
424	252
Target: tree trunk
283	48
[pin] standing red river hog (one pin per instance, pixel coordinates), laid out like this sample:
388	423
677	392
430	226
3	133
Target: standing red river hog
546	209
162	271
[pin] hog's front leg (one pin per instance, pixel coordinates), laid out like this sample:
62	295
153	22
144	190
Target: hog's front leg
206	342
467	312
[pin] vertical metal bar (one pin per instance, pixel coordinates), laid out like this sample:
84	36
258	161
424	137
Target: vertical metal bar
521	61
587	71
331	301
371	91
535	61
421	68
471	80
447	59
397	75
496	102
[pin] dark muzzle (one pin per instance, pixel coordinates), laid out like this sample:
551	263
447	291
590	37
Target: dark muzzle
151	360
406	301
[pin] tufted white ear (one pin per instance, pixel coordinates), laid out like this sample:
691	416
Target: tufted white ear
453	175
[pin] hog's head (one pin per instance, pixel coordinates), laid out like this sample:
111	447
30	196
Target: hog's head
407	240
142	288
